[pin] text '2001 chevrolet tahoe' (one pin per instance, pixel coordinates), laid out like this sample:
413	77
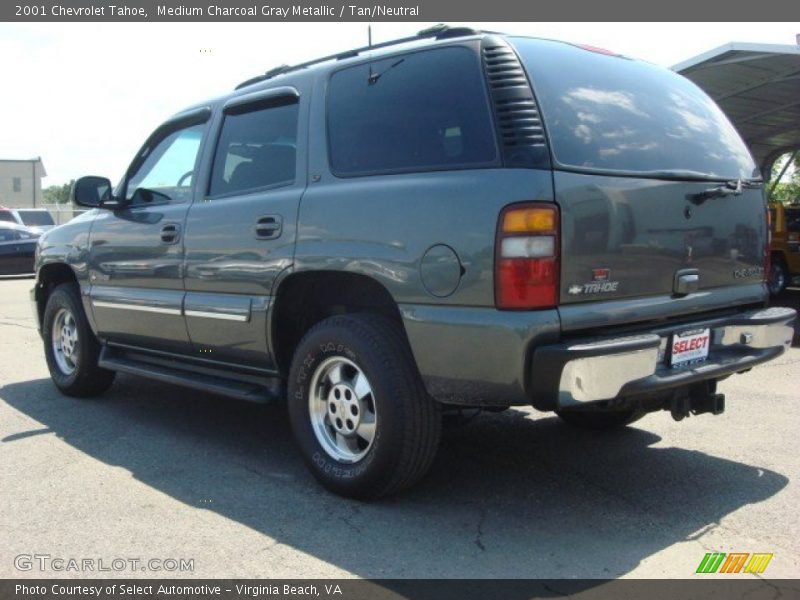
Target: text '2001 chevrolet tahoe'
454	219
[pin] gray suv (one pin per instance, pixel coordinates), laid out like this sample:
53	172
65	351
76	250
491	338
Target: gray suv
454	219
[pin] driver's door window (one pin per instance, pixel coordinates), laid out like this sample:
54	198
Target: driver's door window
167	171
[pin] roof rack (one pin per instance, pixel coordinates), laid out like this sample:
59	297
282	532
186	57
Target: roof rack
439	32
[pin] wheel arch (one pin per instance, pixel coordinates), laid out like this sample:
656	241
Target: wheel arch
779	255
48	277
303	299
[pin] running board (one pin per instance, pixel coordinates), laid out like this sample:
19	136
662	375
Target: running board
252	389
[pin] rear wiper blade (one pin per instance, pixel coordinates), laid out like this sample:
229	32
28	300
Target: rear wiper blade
680	174
373	77
729	188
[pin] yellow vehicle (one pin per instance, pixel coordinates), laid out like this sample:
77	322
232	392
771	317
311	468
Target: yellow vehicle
784	246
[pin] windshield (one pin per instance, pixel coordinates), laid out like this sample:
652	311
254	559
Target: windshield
609	113
36	217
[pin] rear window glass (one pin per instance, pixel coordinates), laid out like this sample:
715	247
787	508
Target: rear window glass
36	217
416	112
611	113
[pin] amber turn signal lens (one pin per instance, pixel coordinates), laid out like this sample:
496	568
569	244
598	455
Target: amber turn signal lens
529	220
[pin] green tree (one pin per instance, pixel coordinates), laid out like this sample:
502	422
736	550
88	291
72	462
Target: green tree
57	194
787	190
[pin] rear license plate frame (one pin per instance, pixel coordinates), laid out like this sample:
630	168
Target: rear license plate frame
685	349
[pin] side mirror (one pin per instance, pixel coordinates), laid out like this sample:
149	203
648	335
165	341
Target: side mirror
91	191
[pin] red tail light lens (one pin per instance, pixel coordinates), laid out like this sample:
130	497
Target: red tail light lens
526	256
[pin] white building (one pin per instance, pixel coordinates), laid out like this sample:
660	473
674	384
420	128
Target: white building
21	182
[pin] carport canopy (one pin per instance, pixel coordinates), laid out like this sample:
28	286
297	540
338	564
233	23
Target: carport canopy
758	87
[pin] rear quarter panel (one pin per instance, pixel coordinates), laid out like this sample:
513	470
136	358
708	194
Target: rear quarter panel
381	226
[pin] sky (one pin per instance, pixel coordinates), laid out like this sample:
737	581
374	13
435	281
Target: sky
85	96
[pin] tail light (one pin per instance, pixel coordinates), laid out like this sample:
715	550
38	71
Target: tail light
526	256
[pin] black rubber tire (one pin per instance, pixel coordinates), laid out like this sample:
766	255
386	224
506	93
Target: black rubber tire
600	419
778	277
87	379
408	420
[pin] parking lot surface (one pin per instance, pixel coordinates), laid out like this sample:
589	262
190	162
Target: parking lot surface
151	471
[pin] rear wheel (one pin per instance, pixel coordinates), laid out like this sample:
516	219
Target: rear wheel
70	348
778	277
360	414
600	419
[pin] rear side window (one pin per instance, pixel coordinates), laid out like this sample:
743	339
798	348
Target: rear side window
610	113
257	149
7	216
416	112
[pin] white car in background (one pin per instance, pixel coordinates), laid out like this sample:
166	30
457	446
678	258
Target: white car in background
35	219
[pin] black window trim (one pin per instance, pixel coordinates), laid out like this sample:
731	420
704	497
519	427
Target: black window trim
244	101
471	46
184	120
238	105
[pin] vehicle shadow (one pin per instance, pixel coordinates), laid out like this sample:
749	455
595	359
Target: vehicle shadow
508	496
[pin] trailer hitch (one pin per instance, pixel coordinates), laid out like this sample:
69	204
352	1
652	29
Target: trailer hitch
700	398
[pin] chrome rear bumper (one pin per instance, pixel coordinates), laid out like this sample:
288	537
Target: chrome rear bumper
573	374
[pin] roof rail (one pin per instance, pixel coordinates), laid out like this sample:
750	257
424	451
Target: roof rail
439	32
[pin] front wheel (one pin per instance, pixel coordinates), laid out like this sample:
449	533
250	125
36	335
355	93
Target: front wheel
360	414
70	348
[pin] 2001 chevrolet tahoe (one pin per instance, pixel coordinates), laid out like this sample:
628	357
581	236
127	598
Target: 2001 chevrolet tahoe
457	218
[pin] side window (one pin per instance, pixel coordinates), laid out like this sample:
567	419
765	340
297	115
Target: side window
416	112
257	149
7	235
167	171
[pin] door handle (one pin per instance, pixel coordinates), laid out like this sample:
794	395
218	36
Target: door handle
268	227
170	233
